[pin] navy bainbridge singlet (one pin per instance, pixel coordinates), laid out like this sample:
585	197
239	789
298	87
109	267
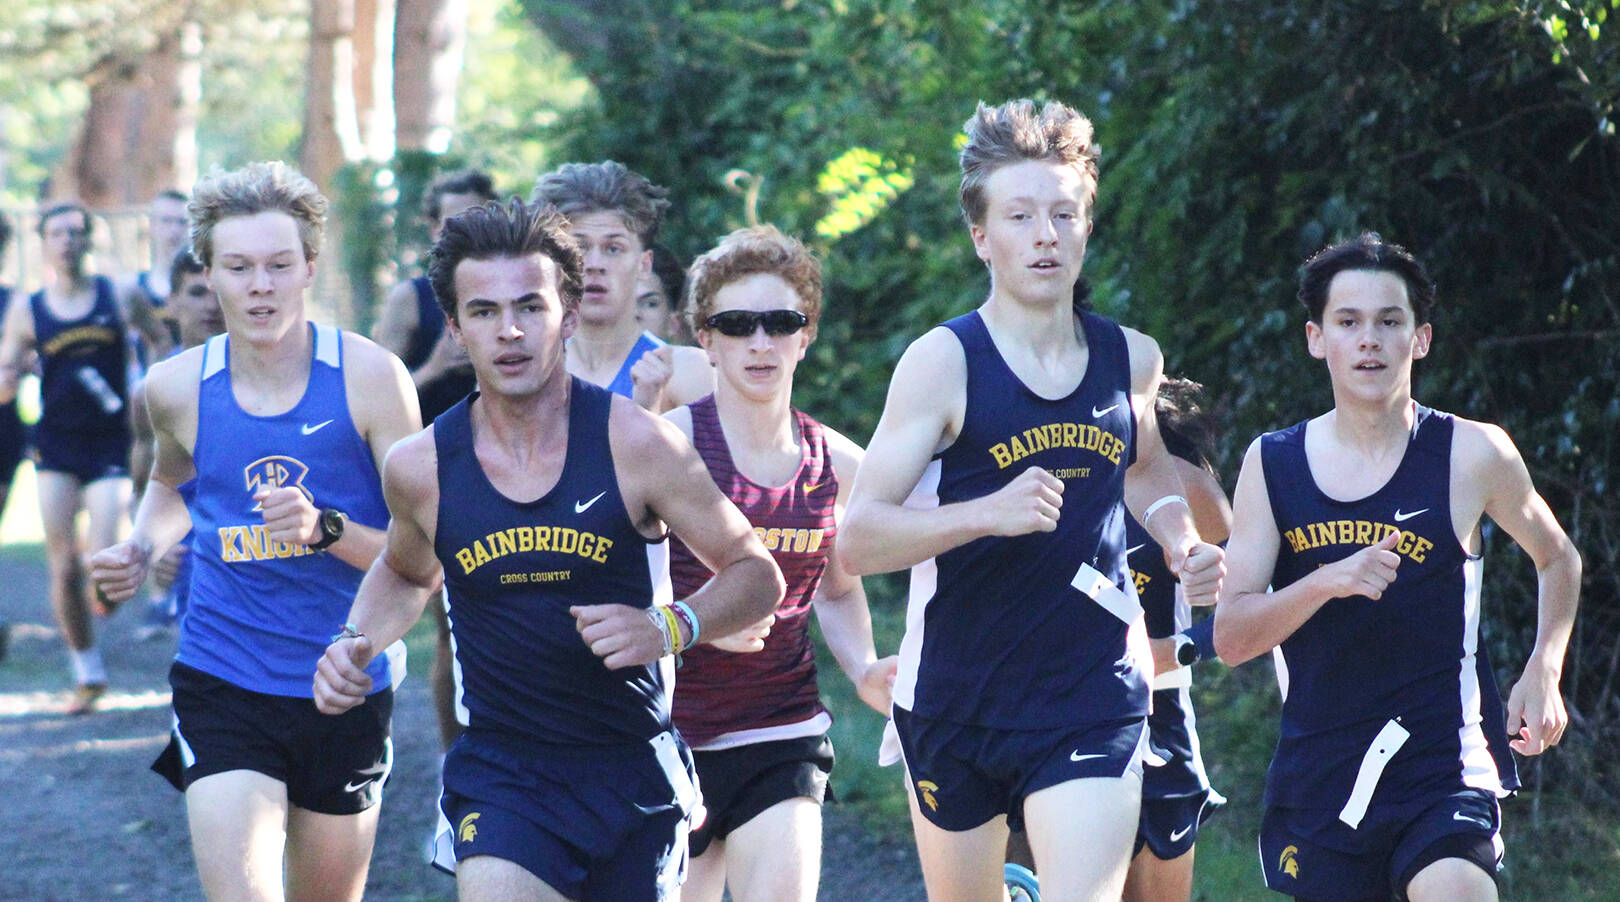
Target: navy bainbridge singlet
996	635
1412	657
513	569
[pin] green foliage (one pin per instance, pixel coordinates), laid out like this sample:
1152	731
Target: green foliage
1238	139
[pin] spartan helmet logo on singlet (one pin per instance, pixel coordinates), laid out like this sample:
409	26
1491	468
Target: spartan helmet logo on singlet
276	471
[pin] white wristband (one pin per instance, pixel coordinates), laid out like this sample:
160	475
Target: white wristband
1154	507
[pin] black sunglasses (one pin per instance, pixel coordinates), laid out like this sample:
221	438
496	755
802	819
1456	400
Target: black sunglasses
742	323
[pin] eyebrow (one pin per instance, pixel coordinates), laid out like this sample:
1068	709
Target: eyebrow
234	255
1392	308
496	302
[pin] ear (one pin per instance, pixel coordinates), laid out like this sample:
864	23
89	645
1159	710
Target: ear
644	269
804	338
1314	341
570	322
1421	340
705	340
980	245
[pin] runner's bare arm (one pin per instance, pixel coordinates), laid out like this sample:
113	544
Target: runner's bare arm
161	519
840	599
1154	476
398	320
693	376
400	581
1536	716
664	483
16	340
924	410
1250	619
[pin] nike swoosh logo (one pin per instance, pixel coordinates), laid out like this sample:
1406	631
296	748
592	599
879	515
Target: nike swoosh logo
1076	756
581	507
311	430
1180	833
1400	517
371	774
812	486
1134	549
1459	816
1095	413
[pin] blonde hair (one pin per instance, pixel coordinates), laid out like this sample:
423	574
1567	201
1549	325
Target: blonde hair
746	252
1014	133
256	188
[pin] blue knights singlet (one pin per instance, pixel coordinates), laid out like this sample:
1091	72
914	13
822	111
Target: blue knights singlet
622	384
1172	728
1410	657
996	635
83	364
512	570
261	612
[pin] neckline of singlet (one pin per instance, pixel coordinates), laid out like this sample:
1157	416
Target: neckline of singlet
1085	377
725	446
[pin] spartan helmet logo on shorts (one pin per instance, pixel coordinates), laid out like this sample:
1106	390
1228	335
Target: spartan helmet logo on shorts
276	471
927	788
467	831
1288	861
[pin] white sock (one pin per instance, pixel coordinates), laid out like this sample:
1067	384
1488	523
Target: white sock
87	666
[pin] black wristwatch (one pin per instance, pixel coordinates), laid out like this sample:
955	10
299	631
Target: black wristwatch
1186	650
331	522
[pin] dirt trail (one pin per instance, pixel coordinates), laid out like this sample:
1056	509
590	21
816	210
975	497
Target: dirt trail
85	819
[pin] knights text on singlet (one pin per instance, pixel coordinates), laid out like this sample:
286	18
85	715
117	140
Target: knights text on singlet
262	612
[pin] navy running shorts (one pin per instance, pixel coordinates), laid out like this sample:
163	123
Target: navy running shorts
331	764
86	457
965	775
592	822
1310	854
1168	828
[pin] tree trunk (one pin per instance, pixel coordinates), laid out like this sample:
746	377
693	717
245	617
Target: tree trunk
96	168
373	76
331	134
430	37
187	102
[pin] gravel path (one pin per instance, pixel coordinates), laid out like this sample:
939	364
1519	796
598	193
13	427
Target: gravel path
87	820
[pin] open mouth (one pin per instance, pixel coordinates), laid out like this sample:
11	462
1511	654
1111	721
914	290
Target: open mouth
1044	265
